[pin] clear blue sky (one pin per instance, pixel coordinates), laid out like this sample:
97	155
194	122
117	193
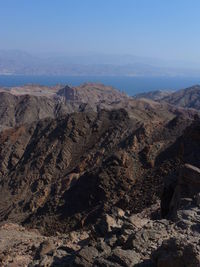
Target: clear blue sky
155	28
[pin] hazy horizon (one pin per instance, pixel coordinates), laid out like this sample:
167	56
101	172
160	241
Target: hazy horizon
159	30
103	57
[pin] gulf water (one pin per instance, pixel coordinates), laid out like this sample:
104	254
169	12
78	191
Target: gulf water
129	85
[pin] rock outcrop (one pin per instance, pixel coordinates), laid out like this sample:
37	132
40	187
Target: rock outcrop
91	93
182	180
188	186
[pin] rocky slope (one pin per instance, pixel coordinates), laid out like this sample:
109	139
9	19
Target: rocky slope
19	105
29	103
91	93
144	239
117	239
17	110
185	98
32	89
154	95
68	170
92	180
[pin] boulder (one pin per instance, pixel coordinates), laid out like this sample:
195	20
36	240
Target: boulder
106	224
45	248
176	252
86	257
186	189
137	221
125	258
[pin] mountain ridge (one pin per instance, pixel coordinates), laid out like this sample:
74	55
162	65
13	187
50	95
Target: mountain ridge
186	98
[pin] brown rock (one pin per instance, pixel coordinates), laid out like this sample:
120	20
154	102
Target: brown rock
176	253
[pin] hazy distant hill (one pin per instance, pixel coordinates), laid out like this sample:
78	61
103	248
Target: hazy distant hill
19	62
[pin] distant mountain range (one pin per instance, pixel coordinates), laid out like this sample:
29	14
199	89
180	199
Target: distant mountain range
14	62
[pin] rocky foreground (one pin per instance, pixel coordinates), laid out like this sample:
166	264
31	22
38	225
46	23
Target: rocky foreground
163	234
118	238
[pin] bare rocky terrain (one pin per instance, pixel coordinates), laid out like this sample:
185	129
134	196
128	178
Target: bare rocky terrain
92	177
29	103
154	95
186	98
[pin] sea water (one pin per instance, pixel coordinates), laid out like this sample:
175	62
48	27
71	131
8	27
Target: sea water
129	85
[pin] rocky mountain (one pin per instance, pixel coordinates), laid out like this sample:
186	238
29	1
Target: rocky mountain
91	177
29	103
19	105
154	95
186	98
82	158
33	89
17	110
91	93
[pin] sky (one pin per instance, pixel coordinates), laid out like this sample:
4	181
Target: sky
166	29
